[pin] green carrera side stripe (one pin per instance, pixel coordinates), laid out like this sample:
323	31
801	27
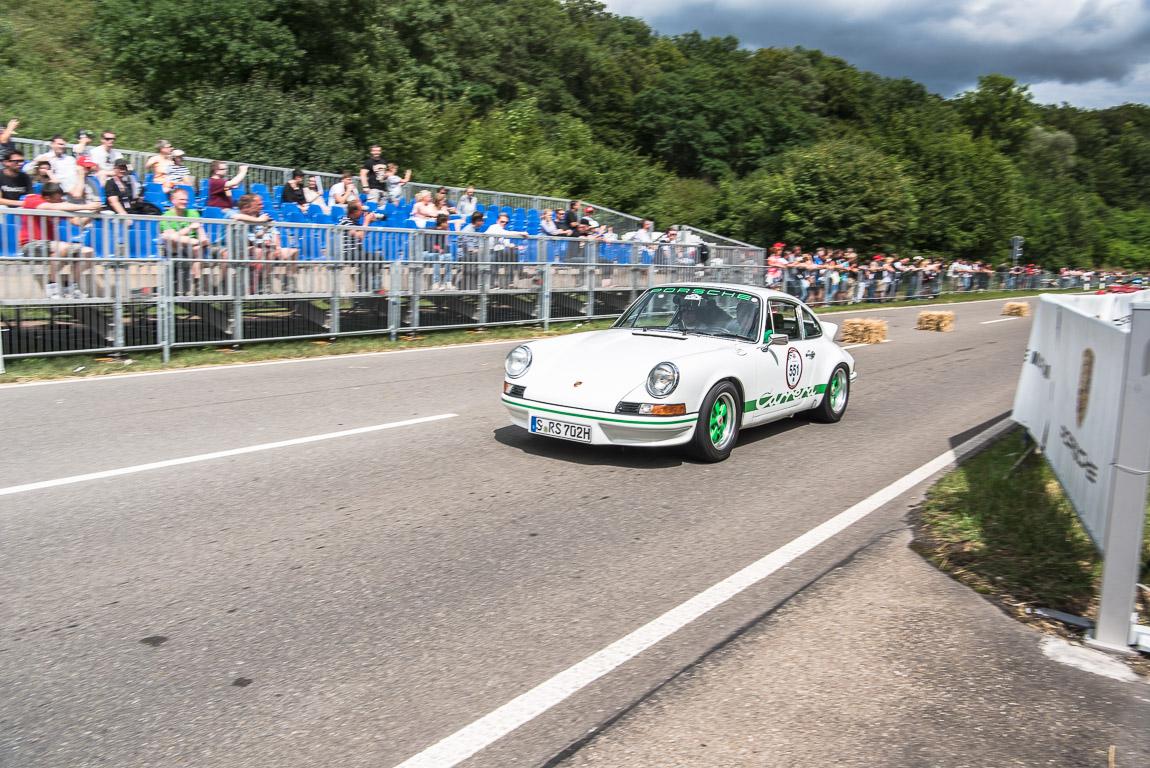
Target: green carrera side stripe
529	404
768	399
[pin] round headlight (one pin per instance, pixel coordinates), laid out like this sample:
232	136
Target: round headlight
662	380
518	361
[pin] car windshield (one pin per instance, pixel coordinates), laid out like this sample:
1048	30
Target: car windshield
695	309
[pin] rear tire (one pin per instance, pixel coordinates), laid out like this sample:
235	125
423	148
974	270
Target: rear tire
836	396
717	429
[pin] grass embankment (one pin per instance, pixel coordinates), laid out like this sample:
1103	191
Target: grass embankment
1012	535
80	365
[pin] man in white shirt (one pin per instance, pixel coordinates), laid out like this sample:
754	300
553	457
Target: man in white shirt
63	166
503	250
106	155
344	190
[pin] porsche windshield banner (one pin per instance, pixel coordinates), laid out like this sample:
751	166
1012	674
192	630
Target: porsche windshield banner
1070	393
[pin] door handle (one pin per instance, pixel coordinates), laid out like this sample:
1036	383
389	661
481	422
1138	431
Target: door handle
810	354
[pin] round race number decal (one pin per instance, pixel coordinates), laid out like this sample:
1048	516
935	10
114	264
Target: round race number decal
794	367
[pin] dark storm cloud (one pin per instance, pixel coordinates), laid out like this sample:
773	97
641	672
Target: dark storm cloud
939	44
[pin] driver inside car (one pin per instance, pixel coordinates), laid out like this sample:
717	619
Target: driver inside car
691	313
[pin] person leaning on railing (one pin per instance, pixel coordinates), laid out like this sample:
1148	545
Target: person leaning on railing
264	244
14	183
183	236
470	248
352	245
39	238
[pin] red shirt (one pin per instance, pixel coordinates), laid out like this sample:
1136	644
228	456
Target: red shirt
36	227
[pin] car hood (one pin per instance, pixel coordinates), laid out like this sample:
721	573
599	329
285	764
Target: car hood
609	364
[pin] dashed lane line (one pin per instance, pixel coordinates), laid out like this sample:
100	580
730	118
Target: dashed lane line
14	489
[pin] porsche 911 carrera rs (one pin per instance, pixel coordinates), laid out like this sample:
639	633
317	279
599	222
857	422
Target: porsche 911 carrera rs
687	364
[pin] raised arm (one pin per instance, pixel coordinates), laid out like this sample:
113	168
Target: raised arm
238	179
9	129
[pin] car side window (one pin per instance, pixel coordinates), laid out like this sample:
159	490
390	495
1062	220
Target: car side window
812	328
785	318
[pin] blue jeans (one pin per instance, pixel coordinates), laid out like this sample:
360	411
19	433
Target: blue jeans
436	257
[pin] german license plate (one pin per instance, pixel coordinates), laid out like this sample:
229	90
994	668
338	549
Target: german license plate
561	429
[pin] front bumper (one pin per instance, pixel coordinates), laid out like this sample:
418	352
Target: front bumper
607	428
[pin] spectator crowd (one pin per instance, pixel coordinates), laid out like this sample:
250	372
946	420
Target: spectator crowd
82	179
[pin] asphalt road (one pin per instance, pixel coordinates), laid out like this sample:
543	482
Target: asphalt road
354	600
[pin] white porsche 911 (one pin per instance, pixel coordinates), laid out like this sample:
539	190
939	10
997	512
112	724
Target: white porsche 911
686	364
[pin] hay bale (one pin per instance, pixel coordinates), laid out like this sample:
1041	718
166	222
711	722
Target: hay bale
857	331
935	321
1016	309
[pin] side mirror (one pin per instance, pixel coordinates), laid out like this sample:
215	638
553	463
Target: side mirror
779	339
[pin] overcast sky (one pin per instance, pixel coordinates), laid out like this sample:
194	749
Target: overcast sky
1090	53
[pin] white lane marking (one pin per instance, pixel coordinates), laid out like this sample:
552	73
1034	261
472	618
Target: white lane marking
234	366
865	344
464	743
1000	320
217	455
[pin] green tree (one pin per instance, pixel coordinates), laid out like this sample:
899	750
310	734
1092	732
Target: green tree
999	109
835	194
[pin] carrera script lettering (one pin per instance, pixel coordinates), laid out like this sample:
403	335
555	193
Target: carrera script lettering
1078	453
1038	360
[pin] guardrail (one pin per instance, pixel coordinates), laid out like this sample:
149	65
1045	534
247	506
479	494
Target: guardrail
126	284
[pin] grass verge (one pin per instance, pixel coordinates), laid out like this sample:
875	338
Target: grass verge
80	365
1013	537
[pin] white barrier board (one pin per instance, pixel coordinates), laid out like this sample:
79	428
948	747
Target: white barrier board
1070	392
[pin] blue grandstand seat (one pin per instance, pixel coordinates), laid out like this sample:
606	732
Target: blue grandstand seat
154	194
142	237
204	190
36	188
519	213
239	191
148	178
338	212
261	190
278	193
213	213
480	207
532	228
9	234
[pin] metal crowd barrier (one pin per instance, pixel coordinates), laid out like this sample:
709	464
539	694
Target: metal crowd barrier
126	284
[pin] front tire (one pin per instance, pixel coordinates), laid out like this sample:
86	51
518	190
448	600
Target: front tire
836	397
717	429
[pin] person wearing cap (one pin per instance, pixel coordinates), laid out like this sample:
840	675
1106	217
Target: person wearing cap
590	219
87	186
180	173
160	165
121	191
690	313
292	193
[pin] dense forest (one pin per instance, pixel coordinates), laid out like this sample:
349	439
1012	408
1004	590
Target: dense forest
563	98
